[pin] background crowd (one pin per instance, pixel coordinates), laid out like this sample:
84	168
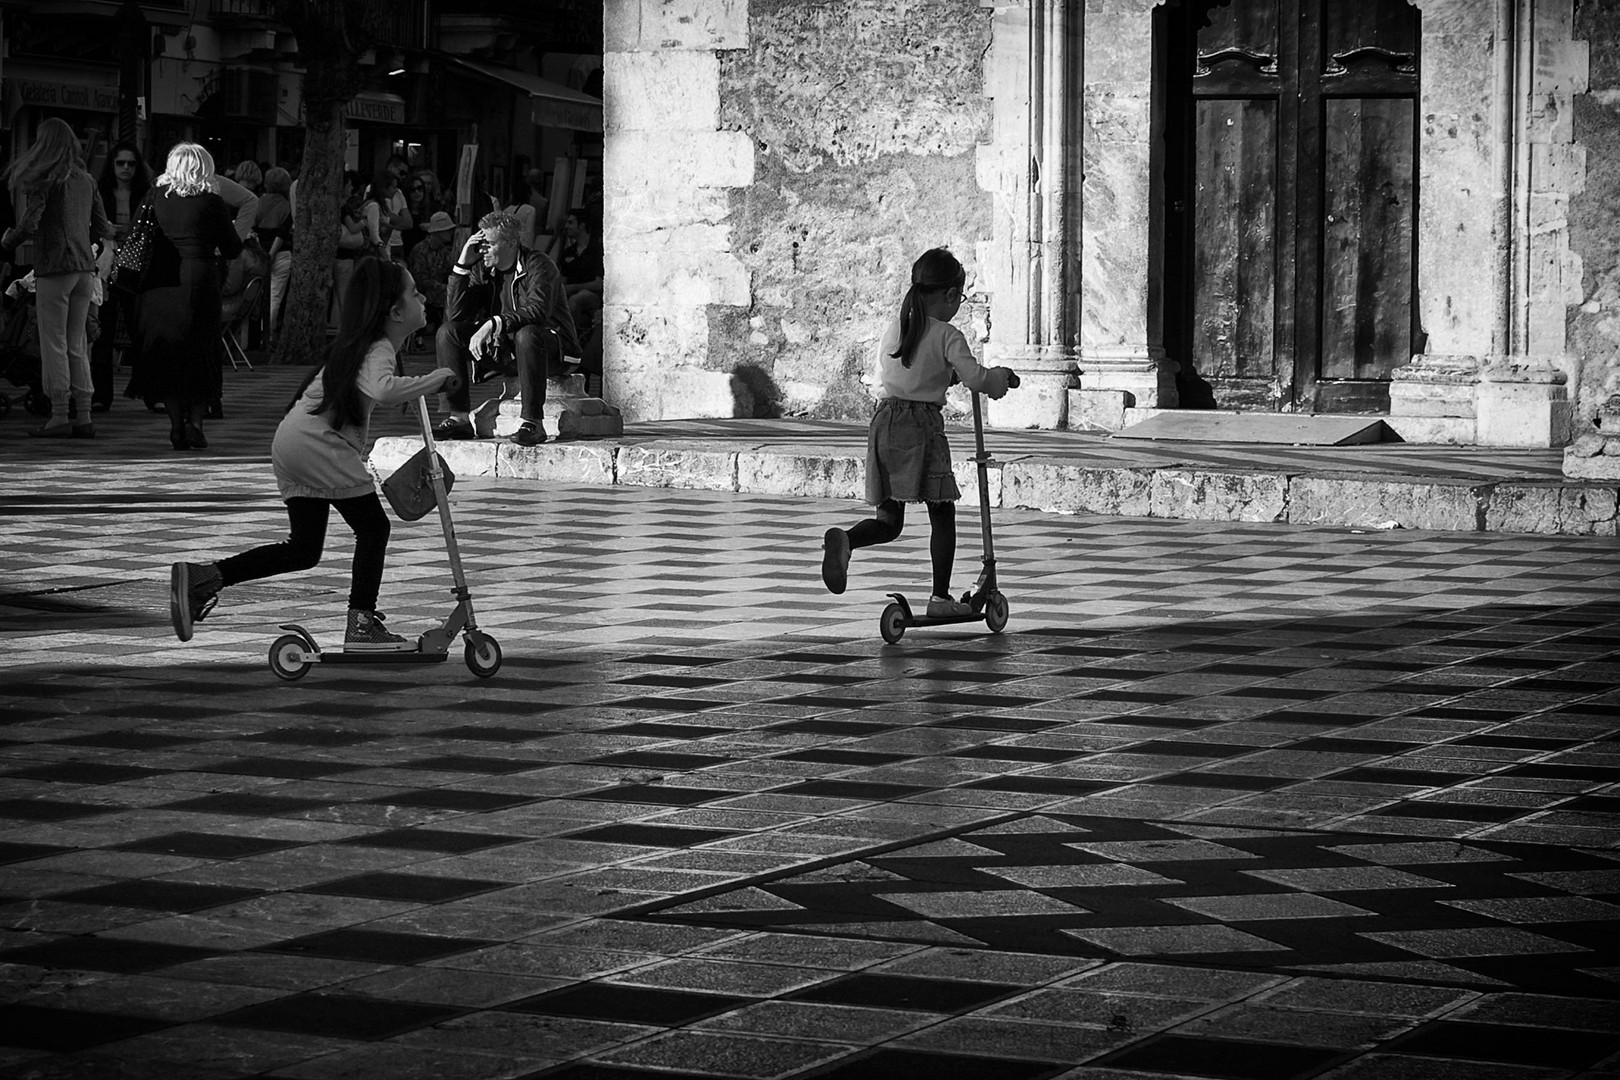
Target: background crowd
216	248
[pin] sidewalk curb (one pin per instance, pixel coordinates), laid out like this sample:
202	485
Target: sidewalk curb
1028	482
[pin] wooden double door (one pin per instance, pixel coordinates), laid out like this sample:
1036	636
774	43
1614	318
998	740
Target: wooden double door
1291	200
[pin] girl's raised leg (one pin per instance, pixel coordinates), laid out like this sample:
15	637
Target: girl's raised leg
882	527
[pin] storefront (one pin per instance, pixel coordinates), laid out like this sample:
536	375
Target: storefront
91	109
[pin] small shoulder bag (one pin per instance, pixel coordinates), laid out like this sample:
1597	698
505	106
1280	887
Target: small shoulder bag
134	255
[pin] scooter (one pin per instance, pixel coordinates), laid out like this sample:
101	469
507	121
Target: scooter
292	655
985	600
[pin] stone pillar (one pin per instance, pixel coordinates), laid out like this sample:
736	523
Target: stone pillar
667	170
1122	360
1041	210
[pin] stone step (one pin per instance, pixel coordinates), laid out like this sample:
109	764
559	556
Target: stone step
1354	500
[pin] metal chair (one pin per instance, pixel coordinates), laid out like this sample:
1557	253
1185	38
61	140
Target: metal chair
244	304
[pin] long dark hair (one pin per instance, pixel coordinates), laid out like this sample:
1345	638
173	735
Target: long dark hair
935	271
372	293
138	184
55	153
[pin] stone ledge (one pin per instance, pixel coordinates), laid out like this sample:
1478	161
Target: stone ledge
1355	500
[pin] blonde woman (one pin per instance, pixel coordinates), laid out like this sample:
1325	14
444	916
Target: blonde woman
177	328
61	211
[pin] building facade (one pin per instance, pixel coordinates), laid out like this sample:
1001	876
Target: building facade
1386	207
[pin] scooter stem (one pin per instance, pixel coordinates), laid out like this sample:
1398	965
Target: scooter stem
983	461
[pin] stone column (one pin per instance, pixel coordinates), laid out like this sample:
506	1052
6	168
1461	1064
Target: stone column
1122	360
667	170
1040	208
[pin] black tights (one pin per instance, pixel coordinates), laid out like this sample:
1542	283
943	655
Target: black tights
302	548
890	518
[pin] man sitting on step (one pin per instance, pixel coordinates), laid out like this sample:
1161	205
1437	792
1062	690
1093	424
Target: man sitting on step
505	312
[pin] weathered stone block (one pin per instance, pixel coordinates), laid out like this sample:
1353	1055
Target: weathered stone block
1096	410
1529	413
1195	495
679	278
580	425
662	91
630	25
1370	502
1553	508
1041	401
1597	467
1072	489
560	463
1433	430
685	393
668	466
967	479
678	159
784	473
1414	398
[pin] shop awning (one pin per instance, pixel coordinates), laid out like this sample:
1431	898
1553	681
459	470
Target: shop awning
551	104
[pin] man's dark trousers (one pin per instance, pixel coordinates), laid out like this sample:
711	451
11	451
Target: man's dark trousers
537	351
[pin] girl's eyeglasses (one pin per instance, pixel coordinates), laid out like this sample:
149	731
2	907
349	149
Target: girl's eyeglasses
123	164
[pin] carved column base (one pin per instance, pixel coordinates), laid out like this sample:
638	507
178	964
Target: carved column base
1432	399
1041	401
1115	379
1523	402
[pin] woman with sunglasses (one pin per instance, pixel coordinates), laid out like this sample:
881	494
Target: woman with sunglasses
125	180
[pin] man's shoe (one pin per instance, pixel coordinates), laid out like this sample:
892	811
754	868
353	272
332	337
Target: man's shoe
529	435
193	592
62	430
454	427
835	561
367	633
86	430
943	607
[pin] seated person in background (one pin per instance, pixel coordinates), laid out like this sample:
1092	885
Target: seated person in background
581	266
429	263
503	302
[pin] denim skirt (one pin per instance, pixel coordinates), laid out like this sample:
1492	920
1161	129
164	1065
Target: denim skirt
907	457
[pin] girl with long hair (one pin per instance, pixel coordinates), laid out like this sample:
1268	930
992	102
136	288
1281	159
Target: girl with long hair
907	456
319	458
125	180
177	322
60	210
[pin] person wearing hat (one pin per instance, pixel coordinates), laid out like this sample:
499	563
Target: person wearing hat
429	263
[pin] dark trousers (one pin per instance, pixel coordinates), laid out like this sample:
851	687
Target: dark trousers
116	314
536	350
302	548
890	517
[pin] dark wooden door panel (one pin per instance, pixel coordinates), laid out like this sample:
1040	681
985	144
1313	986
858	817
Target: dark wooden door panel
1234	203
1367	250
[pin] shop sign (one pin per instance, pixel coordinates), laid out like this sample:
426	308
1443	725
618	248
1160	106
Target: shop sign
376	109
554	112
54	95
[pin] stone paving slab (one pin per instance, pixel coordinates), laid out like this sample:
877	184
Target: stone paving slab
1226	800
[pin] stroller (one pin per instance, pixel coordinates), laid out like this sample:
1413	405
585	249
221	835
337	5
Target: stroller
19	353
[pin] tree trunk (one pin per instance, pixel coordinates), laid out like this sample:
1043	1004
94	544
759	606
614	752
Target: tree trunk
315	229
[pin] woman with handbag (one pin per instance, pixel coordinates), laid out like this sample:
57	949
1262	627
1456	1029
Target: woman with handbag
125	180
319	457
60	209
178	306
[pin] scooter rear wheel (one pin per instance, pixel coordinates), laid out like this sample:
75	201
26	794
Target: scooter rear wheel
892	623
995	612
483	655
287	657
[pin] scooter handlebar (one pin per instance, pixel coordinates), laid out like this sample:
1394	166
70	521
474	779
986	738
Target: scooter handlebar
452	384
1013	380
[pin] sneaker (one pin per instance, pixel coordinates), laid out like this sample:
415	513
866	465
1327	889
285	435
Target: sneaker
367	633
454	427
529	435
943	607
193	592
835	561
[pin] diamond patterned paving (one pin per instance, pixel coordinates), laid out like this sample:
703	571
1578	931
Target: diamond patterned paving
1226	800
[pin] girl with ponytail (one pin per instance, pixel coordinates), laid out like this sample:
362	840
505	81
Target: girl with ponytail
907	456
319	457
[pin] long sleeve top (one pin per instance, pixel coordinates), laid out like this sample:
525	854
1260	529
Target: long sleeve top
66	219
942	350
243	203
313	459
529	294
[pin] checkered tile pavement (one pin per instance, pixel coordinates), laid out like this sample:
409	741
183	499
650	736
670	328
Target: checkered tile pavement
1224	801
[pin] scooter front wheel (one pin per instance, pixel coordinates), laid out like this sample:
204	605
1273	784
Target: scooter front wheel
483	655
995	612
892	623
287	657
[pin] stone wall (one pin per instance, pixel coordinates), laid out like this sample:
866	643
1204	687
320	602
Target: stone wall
1593	324
863	115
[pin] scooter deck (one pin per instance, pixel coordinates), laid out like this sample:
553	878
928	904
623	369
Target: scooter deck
381	656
